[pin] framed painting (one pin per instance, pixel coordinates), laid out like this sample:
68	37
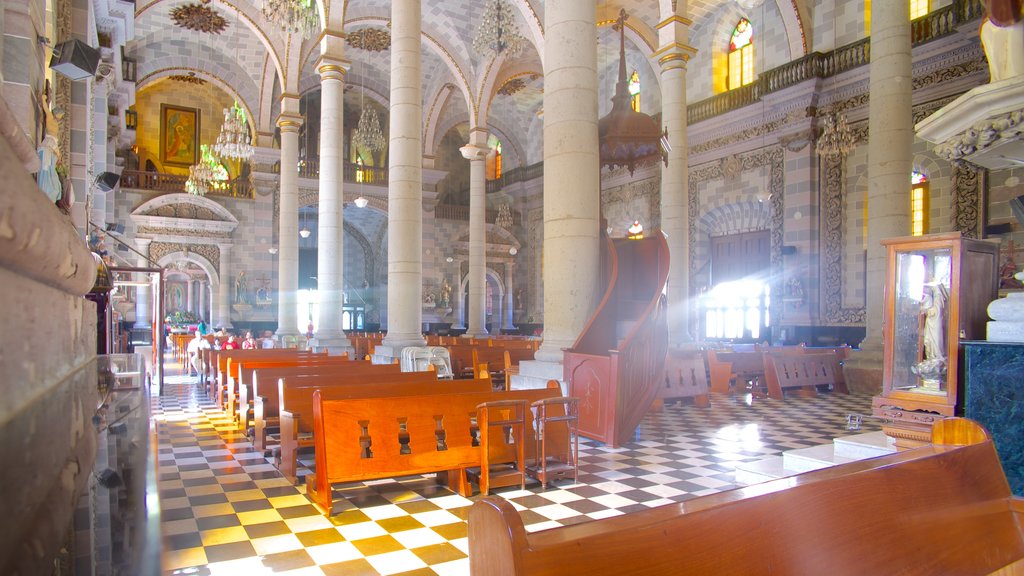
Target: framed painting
179	135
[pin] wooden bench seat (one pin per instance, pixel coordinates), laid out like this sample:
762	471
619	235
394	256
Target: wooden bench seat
266	399
296	403
372	438
938	509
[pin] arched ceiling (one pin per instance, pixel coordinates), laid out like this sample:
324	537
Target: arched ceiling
250	56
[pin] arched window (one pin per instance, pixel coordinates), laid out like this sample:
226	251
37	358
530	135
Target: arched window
497	160
493	163
634	91
741	55
360	173
918	204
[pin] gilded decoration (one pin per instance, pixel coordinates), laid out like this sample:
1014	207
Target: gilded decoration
189	78
968	206
772	156
157	250
199	17
369	39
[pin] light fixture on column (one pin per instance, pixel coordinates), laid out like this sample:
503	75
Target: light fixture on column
628	137
504	218
293	15
272	250
513	251
361	202
498	31
234	140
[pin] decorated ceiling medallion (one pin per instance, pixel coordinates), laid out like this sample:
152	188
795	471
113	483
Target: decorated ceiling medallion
512	86
199	17
369	39
191	78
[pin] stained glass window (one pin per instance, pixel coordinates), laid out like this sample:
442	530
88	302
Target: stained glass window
918	204
741	55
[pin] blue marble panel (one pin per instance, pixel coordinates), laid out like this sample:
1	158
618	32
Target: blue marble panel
994	376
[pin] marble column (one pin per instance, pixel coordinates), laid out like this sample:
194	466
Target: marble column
143	294
224	290
476	153
190	301
330	231
890	160
673	34
288	236
509	298
572	187
405	183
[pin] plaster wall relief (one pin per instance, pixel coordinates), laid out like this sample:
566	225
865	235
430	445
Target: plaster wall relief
842	240
968	202
722	203
640	200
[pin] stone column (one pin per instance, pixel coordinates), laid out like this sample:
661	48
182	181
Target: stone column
288	237
509	298
890	160
330	231
405	184
190	302
673	34
143	294
476	153
224	290
572	187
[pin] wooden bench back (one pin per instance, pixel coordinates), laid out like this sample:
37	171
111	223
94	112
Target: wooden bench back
343	428
804	370
265	380
685	375
931	510
242	368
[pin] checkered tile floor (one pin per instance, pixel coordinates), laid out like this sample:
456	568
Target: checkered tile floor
226	510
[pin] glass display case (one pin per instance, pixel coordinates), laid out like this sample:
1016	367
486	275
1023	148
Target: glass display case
937	289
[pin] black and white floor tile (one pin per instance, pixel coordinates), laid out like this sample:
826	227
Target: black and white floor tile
226	510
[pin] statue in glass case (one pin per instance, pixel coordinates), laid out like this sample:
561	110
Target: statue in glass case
933	308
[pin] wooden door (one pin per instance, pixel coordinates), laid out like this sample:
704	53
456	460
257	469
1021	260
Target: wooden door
739	256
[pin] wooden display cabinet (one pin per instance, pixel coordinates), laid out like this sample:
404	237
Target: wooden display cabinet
937	290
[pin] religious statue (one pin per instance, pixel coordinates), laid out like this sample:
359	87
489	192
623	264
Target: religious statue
48	179
240	288
1006	275
1002	37
933	307
446	294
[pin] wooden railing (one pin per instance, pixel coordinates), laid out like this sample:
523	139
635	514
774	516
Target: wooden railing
520	174
161	182
934	25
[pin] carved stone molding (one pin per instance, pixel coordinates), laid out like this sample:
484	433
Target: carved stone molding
199	17
983	135
369	39
833	193
211	252
968	204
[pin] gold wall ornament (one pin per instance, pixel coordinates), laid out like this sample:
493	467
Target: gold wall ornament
199	17
191	78
369	39
512	86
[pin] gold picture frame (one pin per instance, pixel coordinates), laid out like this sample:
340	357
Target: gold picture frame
179	135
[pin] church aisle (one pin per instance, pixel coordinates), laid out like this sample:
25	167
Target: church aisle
226	510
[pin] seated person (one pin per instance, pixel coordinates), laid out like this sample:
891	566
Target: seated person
194	345
249	343
232	343
268	340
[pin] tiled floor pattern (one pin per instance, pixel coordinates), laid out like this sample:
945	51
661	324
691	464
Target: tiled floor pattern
226	510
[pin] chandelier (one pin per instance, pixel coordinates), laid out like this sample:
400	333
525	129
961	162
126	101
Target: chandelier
628	137
292	15
498	31
234	140
836	140
504	218
202	174
368	134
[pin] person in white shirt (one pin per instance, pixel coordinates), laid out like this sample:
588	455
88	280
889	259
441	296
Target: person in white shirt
194	345
268	340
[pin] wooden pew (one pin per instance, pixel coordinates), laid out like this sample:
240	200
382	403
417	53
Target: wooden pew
240	377
296	412
739	367
219	361
265	389
371	438
805	371
685	377
938	509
